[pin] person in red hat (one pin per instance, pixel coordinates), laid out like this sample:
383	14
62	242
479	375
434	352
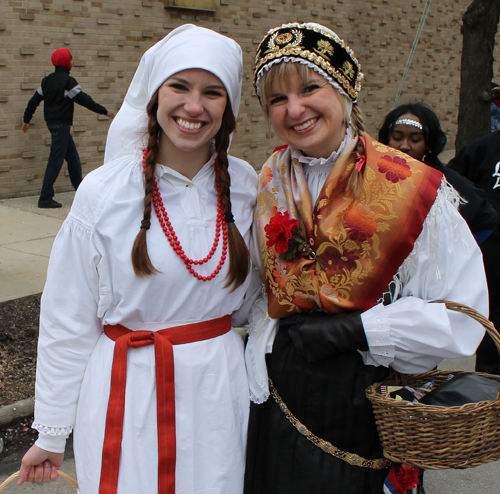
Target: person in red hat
60	92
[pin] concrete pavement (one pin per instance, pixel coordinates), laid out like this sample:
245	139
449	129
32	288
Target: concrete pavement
26	236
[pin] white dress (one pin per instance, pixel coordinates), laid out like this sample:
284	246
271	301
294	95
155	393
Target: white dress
91	283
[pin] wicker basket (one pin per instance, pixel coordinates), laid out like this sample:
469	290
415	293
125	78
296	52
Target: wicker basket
14	476
434	437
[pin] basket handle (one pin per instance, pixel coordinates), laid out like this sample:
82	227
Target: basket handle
14	476
464	309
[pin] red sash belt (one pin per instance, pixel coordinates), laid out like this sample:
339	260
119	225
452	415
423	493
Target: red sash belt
165	395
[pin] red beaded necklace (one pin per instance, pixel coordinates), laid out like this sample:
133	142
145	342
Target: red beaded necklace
166	225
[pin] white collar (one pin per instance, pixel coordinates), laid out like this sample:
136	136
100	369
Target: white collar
205	169
331	160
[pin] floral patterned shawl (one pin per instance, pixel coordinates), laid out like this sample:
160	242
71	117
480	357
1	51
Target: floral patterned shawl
359	243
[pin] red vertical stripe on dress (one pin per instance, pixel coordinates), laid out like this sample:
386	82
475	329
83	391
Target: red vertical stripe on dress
165	395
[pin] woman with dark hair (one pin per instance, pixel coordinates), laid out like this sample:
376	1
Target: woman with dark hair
144	276
354	240
424	142
415	129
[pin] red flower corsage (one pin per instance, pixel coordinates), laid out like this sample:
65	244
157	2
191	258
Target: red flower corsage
283	232
279	232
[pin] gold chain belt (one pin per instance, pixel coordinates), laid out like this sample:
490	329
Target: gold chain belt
351	458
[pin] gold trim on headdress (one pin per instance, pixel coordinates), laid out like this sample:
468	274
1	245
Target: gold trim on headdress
315	46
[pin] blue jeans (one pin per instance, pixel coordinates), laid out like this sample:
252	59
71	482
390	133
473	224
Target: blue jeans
62	148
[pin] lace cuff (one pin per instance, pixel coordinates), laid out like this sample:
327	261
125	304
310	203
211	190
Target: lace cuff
52	431
261	332
52	439
378	335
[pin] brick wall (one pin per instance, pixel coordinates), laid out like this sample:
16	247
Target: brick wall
108	38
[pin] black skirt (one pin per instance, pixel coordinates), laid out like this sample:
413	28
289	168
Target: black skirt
328	397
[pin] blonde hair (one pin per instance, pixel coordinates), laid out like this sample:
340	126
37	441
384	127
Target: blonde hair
282	71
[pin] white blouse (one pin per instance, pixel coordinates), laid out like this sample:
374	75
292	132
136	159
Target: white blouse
410	335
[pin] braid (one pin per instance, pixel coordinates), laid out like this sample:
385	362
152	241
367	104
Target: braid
140	258
239	258
356	179
357	118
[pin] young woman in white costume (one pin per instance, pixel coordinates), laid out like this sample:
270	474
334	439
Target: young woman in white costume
380	241
137	353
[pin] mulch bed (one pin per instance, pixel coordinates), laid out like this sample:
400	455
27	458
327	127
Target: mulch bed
18	341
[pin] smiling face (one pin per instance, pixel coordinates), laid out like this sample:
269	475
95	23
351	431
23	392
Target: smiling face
307	114
191	105
408	138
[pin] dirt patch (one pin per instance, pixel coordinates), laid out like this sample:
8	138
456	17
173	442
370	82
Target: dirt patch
18	341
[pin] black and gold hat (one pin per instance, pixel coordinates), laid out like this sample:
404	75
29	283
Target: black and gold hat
314	45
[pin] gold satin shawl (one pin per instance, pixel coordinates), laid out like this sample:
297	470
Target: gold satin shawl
359	243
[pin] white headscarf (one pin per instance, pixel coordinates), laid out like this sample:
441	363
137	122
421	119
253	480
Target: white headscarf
187	47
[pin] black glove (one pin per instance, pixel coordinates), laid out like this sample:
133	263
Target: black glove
317	335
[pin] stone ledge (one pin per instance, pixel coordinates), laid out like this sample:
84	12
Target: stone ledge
18	410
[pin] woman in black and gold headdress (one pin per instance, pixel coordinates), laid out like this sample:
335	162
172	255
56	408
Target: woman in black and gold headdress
353	239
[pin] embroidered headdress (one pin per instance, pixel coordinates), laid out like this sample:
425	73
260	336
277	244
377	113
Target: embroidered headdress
315	46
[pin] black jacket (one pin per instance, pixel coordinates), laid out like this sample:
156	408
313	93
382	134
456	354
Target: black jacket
60	92
479	161
477	212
